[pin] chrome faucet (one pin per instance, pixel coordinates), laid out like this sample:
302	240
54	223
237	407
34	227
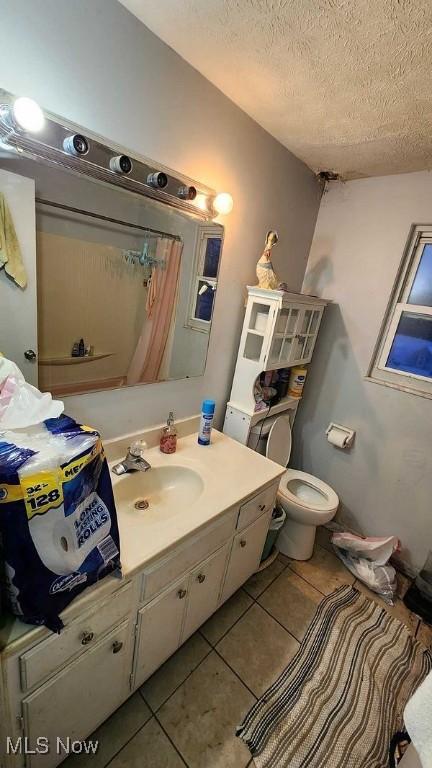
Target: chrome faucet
134	461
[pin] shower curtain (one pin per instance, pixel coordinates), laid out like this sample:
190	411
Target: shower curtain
148	356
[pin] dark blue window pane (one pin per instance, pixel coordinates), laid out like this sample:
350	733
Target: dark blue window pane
421	291
212	256
204	302
411	350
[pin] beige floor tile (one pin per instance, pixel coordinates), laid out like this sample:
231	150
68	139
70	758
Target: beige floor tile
424	634
324	571
292	601
201	717
159	687
284	559
258	649
323	536
398	610
221	621
261	580
150	748
114	733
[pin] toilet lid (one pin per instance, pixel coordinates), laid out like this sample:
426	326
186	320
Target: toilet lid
279	441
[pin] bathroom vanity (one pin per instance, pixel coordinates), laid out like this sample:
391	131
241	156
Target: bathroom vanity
198	538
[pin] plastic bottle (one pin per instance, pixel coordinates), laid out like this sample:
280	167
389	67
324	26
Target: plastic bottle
206	423
296	381
168	438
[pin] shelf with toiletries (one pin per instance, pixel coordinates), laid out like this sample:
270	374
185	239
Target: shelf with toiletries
74	360
279	333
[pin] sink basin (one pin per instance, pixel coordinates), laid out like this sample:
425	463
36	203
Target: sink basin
160	489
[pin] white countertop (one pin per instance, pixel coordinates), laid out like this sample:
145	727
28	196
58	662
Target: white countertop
230	473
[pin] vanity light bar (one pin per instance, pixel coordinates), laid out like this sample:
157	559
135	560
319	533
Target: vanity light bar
63	144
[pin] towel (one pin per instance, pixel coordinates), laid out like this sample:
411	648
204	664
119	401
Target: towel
10	251
418	721
152	292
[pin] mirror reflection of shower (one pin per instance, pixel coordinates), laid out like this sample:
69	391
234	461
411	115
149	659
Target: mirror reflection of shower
125	285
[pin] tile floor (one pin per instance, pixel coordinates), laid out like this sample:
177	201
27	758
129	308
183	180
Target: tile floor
185	715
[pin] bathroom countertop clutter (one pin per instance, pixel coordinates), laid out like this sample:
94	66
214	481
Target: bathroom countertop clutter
159	508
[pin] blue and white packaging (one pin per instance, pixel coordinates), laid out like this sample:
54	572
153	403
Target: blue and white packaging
58	523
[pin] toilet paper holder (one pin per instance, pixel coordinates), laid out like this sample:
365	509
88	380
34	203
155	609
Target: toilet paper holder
340	436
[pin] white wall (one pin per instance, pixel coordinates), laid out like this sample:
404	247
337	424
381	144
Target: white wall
385	481
95	64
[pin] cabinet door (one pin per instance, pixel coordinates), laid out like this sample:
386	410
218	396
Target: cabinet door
204	590
283	344
305	338
74	702
159	630
245	554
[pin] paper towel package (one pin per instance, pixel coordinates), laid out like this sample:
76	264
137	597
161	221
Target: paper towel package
58	523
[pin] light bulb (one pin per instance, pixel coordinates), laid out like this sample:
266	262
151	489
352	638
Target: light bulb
28	115
223	203
201	202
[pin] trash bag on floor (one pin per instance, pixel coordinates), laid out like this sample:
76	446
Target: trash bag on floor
368	560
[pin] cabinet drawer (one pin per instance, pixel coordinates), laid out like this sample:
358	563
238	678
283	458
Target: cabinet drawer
185	557
76	700
255	507
54	652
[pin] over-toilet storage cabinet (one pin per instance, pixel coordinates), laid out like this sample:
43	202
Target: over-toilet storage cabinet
279	331
66	685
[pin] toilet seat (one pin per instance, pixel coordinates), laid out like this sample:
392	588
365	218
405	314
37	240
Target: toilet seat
307	491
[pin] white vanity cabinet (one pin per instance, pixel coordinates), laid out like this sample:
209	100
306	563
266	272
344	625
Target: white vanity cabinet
80	697
64	686
245	554
158	630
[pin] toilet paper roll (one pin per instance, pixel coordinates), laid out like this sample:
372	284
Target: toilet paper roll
337	437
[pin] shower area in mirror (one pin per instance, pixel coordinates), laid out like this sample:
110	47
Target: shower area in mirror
107	298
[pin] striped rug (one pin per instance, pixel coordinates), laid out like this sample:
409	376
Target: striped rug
342	696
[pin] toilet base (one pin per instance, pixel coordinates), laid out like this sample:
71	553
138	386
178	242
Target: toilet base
297	540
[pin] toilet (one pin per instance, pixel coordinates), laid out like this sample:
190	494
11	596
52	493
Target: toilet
306	500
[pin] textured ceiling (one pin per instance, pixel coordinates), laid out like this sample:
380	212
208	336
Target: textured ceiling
346	85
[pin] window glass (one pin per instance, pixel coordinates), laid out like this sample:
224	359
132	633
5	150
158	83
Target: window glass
421	291
212	256
411	350
204	301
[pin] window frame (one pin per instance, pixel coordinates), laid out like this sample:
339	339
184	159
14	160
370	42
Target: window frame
205	233
420	235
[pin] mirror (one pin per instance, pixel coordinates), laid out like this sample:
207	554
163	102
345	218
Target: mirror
123	286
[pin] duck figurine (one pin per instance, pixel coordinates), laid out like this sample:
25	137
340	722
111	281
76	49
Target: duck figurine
267	277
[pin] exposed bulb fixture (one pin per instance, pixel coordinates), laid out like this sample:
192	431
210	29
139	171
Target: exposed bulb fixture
121	164
201	202
27	115
187	193
223	203
76	144
159	179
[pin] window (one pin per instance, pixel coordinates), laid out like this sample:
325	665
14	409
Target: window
204	279
403	357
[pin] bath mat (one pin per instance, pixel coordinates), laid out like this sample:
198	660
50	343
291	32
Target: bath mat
341	698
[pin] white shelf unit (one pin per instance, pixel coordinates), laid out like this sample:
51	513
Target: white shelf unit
279	331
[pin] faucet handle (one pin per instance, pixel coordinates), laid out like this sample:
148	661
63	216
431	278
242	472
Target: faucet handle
137	448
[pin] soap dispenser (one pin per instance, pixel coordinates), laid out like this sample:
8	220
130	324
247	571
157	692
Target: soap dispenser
168	438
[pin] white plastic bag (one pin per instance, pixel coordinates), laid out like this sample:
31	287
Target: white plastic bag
368	559
21	404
